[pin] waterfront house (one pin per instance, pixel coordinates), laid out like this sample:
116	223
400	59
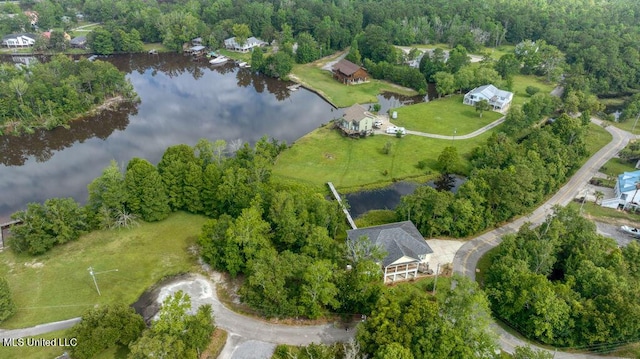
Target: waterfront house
626	192
349	73
356	121
407	253
498	99
19	40
248	45
79	42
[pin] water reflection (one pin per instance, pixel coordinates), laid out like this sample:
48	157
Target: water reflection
181	102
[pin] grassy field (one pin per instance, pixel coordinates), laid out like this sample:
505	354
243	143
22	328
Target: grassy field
597	137
616	166
607	215
57	285
325	155
240	56
335	92
520	83
376	217
443	116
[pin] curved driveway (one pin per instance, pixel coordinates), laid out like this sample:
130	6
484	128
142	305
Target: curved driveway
444	137
466	259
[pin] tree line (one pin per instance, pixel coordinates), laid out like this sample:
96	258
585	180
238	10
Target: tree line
50	94
565	285
600	40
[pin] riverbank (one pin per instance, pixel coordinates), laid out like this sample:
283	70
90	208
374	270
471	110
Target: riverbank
316	78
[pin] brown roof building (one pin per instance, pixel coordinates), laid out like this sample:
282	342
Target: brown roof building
349	73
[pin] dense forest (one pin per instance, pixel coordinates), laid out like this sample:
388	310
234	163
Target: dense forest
599	38
563	284
47	95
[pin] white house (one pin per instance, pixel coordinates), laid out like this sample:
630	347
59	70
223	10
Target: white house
626	191
19	40
498	99
407	252
250	43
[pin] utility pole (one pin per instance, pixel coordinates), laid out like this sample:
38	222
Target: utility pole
435	281
93	275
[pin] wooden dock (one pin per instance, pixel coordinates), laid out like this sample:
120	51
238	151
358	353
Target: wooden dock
344	209
2	228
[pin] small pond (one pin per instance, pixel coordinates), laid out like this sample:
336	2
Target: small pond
389	197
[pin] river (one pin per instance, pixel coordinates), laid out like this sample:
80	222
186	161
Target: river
181	102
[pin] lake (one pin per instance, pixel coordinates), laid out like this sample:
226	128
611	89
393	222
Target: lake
181	102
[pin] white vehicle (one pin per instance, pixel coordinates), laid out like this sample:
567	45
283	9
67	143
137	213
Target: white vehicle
377	124
635	232
394	129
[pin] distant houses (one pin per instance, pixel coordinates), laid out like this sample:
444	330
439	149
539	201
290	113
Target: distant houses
349	73
356	121
499	100
19	40
407	252
248	45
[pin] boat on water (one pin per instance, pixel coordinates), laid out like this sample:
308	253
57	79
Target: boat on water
219	60
631	230
243	64
293	87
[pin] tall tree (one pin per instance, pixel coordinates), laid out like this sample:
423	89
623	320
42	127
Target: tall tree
241	32
7	306
146	194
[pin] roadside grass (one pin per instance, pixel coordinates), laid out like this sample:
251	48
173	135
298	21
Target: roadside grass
34	352
483	265
520	84
376	217
627	125
616	166
57	285
607	215
312	75
325	155
596	138
443	116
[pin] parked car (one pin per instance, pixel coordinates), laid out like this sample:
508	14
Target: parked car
377	124
395	129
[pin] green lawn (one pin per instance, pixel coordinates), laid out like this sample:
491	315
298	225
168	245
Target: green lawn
57	285
520	83
240	56
616	166
337	93
596	138
325	155
376	217
443	116
603	214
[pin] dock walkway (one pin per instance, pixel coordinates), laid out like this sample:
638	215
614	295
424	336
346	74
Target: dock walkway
344	209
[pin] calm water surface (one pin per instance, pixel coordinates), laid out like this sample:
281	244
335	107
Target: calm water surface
181	102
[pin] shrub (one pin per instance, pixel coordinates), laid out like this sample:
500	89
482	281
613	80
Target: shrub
532	90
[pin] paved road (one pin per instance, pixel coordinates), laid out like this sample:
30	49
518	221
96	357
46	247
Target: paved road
39	329
466	259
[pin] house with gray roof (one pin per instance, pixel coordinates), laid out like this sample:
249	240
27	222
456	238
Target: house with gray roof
356	121
626	192
498	99
407	252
